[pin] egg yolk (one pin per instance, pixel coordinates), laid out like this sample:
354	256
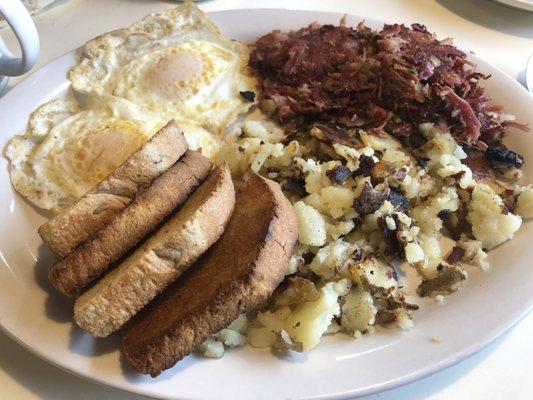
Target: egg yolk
173	72
102	150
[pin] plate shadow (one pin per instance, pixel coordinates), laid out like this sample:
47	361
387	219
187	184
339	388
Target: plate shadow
84	344
57	307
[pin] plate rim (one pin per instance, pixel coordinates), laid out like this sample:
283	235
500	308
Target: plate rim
404	379
420	373
517	4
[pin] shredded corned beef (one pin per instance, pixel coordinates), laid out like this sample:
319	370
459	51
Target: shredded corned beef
391	80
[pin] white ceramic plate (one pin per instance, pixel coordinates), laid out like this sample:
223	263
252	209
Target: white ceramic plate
522	4
340	367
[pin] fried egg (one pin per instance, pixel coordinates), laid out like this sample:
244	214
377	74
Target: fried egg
66	151
175	64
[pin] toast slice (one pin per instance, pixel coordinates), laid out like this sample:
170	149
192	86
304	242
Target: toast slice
86	216
144	214
238	274
161	259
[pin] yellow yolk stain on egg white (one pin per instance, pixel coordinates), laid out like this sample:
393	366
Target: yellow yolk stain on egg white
101	151
79	154
179	80
175	70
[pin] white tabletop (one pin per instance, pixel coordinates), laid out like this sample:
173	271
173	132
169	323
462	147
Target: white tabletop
501	35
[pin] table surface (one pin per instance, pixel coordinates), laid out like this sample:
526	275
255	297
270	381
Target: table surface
501	35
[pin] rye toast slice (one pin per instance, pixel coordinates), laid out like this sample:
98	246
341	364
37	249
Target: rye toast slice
238	274
93	257
118	296
82	219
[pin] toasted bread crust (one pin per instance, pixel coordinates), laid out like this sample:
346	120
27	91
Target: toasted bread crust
161	259
145	213
85	217
236	275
